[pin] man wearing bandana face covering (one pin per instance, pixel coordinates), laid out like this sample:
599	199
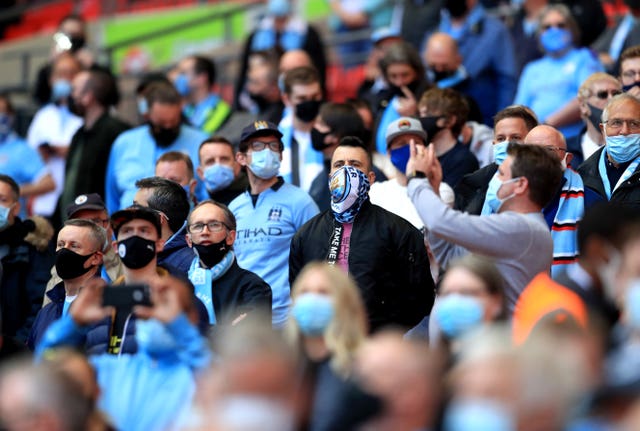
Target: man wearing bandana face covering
228	292
303	95
78	258
384	253
135	151
593	95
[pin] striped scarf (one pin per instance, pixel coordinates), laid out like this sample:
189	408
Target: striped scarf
565	222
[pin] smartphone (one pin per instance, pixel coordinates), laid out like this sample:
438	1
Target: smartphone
126	296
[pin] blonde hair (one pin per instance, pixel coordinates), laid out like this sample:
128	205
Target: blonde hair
348	328
584	92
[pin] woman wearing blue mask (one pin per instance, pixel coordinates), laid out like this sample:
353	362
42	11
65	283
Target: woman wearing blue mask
470	295
327	324
549	85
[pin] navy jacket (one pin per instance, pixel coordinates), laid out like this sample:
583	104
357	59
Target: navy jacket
47	315
177	254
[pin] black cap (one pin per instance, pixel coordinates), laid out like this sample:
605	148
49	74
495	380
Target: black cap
92	201
135	212
260	128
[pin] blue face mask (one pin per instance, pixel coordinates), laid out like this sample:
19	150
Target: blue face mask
182	84
154	338
218	177
5	126
477	414
4	216
555	39
313	313
265	164
500	152
623	148
457	314
143	106
400	158
491	198
61	89
349	189
632	304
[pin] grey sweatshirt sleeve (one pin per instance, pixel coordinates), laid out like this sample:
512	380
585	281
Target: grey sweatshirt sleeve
453	233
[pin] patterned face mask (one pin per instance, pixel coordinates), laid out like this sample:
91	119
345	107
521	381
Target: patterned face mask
349	188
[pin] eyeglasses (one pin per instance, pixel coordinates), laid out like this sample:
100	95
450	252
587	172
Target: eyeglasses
213	226
617	123
631	73
556	25
273	145
552	149
604	94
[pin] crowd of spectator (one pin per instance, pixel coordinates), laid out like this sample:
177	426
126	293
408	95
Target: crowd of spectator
456	248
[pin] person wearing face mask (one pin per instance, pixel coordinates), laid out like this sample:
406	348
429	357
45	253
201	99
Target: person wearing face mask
392	194
510	125
52	129
303	96
443	114
17	159
611	173
328	325
629	70
471	294
229	292
517	237
219	171
383	252
549	85
616	39
153	388
204	109
94	93
593	95
134	152
404	74
566	208
25	260
335	121
487	53
78	259
268	214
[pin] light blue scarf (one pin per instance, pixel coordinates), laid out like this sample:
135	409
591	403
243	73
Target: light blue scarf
203	278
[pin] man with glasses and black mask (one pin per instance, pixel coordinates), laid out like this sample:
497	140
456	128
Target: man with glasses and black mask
613	172
134	153
228	292
268	214
79	253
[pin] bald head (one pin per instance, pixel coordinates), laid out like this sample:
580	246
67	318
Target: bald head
442	53
550	138
294	59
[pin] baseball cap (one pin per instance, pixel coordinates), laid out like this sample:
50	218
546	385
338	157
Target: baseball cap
259	128
135	212
384	33
402	126
91	201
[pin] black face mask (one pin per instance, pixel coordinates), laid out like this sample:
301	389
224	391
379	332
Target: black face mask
394	90
430	125
259	100
164	137
211	254
595	116
457	8
317	139
70	265
136	252
308	111
626	88
77	42
443	74
75	108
